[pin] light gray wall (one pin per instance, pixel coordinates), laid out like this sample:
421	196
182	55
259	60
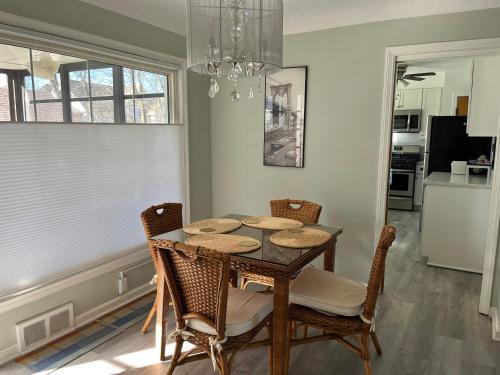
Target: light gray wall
86	18
200	170
344	102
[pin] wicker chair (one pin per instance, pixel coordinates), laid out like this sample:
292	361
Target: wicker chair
214	318
156	220
341	318
306	212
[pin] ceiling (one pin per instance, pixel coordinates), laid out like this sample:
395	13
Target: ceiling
300	15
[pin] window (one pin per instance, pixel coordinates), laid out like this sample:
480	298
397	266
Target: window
42	86
145	96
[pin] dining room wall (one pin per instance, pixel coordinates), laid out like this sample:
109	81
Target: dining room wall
342	130
68	18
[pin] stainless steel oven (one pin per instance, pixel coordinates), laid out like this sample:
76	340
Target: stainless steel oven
407	121
402	182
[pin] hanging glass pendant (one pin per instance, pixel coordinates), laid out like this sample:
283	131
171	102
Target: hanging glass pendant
259	86
235	95
214	88
250	92
235	39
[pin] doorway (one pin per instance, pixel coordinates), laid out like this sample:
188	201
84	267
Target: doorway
422	54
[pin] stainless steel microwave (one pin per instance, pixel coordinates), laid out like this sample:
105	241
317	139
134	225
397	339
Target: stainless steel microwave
407	121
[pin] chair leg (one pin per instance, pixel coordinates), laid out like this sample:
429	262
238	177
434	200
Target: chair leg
270	333
152	313
175	357
233	278
224	364
376	343
304	331
243	283
365	354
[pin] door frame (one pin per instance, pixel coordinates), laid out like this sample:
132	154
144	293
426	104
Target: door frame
418	52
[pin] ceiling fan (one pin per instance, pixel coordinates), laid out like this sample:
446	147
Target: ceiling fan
404	78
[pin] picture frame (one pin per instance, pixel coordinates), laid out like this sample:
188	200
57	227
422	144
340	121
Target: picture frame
285	117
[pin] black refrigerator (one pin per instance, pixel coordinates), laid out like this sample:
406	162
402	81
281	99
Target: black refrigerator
447	141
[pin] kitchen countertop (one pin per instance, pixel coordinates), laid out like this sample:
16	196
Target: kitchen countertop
447	179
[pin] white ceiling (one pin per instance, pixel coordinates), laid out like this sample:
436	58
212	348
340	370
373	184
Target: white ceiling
300	15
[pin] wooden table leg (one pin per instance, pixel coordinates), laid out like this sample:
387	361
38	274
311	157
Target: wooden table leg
162	298
329	257
281	347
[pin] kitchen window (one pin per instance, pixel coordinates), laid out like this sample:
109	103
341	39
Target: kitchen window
41	86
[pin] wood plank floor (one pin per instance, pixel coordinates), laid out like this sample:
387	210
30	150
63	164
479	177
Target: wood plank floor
428	324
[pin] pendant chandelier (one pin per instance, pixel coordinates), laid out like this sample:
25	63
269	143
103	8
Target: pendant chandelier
235	39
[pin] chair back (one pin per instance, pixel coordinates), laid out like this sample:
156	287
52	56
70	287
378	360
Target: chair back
386	239
159	219
306	212
198	281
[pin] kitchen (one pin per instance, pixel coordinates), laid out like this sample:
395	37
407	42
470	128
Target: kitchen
444	137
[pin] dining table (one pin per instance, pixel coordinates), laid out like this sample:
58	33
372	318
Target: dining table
280	263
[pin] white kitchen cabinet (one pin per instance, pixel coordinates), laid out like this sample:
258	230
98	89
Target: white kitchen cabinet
431	105
455	222
408	99
485	98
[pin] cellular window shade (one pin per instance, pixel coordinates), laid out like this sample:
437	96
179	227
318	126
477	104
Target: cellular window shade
71	195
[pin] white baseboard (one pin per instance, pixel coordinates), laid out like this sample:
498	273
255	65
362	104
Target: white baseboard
11	352
495	324
113	304
431	263
8	354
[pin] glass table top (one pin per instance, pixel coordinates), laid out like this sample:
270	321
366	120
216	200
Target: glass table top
268	252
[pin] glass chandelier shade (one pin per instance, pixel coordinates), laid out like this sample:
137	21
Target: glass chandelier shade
235	39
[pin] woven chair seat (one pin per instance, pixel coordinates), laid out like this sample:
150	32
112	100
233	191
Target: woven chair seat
342	325
328	292
245	310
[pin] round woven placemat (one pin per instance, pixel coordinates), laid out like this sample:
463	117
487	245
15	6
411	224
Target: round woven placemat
226	243
214	226
300	238
272	223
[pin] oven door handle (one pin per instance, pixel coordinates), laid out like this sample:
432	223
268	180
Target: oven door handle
403	170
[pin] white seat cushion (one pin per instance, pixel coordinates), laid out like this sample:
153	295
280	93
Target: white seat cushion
328	292
245	310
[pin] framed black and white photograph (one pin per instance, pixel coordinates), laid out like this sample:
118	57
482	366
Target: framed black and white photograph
284	117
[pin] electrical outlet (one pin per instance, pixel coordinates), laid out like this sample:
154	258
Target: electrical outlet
122	283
